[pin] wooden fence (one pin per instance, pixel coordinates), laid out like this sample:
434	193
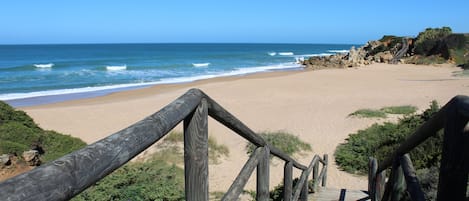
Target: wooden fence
453	178
69	175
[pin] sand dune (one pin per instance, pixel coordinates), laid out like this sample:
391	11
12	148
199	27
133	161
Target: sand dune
311	104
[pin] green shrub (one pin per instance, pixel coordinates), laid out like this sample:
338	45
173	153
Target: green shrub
9	114
151	180
172	153
380	140
403	109
284	141
19	133
368	113
427	40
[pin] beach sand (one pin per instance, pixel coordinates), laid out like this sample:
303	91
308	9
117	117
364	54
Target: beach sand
313	105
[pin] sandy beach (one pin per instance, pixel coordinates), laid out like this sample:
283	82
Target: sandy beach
313	105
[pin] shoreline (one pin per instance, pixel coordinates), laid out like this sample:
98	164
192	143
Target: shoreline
312	104
86	94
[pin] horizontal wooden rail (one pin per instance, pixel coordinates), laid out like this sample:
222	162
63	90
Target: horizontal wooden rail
69	175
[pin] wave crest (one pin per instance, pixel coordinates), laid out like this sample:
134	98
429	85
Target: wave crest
116	68
200	64
286	53
49	65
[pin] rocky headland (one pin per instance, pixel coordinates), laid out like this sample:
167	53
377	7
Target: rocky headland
432	46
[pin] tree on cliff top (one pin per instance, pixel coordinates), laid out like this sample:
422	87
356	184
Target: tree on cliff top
427	40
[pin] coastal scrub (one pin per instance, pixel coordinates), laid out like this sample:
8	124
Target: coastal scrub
19	133
284	141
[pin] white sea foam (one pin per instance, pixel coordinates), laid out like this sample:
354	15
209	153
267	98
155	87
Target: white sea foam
49	65
272	53
338	51
239	71
286	53
299	60
200	64
116	68
315	55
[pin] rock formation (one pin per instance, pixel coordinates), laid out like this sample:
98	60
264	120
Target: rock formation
380	51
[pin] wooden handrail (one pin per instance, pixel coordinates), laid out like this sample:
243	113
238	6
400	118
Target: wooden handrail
69	175
453	178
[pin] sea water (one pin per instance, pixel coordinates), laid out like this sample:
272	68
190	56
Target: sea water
37	74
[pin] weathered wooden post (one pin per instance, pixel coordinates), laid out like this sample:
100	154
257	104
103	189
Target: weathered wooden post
263	176
372	170
304	191
287	180
326	163
455	157
196	153
413	186
398	187
315	177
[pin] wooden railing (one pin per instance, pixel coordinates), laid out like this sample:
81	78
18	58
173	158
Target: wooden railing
454	167
69	175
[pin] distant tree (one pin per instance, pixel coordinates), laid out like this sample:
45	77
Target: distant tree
428	41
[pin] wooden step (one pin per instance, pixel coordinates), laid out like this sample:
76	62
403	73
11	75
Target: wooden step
330	194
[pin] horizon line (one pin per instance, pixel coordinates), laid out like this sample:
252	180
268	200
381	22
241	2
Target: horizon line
148	43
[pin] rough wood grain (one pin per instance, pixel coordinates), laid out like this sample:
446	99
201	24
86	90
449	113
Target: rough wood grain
304	176
413	186
196	154
372	170
69	175
455	155
237	186
287	180
263	174
326	163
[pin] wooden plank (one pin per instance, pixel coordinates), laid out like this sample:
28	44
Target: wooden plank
413	186
237	186
454	166
287	181
263	175
69	175
331	194
196	154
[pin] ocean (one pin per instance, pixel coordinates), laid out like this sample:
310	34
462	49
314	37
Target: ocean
39	74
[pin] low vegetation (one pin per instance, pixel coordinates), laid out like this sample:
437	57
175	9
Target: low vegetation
150	180
403	109
439	45
379	140
381	113
284	141
19	133
368	113
173	144
158	178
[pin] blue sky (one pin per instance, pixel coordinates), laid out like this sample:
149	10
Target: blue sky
274	21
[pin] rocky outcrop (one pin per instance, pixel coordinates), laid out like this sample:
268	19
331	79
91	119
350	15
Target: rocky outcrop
31	157
4	160
380	51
